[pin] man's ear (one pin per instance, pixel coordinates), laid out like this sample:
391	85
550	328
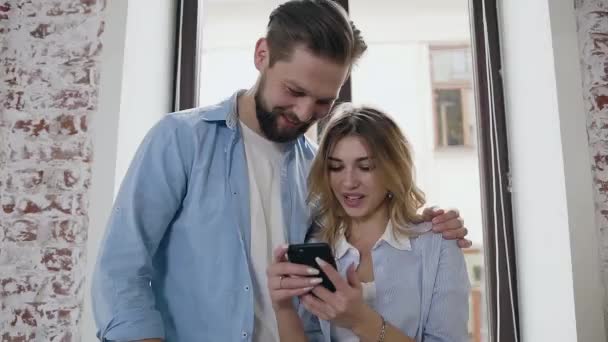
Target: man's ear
261	56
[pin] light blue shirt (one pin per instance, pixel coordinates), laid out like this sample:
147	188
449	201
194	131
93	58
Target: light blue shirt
422	286
174	262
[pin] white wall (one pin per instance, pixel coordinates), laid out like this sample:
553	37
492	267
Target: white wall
560	293
230	31
135	91
148	74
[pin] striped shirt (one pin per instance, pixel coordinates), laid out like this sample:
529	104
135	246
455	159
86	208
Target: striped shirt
422	286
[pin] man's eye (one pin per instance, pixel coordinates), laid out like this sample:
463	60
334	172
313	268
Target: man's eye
295	92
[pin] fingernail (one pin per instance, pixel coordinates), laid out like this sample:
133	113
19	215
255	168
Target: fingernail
316	281
320	261
308	288
312	271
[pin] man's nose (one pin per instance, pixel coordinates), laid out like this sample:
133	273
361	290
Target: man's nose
305	109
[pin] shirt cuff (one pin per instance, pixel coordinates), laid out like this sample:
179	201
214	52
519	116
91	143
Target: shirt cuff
134	325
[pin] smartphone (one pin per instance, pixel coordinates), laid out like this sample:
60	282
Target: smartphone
306	253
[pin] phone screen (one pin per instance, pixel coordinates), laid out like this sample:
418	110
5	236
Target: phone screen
306	253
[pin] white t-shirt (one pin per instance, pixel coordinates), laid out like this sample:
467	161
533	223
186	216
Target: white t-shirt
264	160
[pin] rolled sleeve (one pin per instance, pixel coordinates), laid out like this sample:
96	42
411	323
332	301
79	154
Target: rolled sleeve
133	326
149	198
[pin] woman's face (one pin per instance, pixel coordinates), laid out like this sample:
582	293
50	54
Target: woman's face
354	179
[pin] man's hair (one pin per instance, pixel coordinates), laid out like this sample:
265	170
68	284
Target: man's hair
322	26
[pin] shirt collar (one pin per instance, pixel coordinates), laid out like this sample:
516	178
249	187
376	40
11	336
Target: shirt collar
389	236
226	111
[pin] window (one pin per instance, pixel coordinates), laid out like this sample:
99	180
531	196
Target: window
453	99
429	88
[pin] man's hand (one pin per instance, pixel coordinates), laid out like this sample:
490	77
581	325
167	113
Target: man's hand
449	224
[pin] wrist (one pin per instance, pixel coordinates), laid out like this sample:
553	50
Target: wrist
283	308
368	325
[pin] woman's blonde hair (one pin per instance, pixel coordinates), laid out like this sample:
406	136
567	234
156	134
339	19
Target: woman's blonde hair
392	157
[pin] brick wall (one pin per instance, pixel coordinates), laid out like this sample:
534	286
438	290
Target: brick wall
49	80
592	21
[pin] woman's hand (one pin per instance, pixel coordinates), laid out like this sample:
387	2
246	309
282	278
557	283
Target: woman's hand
287	280
345	307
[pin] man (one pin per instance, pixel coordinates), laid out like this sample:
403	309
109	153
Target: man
211	192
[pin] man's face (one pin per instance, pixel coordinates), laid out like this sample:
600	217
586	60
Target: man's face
294	94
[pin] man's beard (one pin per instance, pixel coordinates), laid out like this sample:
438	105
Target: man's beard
268	120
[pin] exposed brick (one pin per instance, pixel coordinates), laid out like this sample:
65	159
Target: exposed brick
68	231
16	258
54	314
44	315
7	10
63	336
62	126
25	286
49	84
16	336
33	181
21	230
63	9
76	149
63	286
29	287
82	204
13	100
50	204
83	123
32	127
60	259
35	79
24	180
592	22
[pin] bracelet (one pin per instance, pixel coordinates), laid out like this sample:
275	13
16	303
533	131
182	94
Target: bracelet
382	330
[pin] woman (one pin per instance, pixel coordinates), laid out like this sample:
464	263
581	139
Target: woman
395	280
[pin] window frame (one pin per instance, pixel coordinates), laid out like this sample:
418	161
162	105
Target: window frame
468	139
491	134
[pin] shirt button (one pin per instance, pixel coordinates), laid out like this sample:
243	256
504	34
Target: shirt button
246	287
245	334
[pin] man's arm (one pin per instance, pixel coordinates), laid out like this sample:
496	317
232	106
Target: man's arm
449	224
150	196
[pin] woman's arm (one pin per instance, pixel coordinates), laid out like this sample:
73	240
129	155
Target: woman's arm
290	325
346	308
371	326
